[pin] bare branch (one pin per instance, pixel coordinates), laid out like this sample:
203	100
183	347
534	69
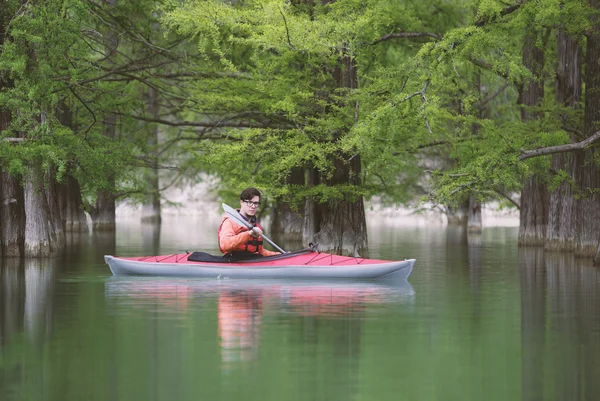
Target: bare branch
287	31
504	12
491	97
88	109
526	154
13	139
508	198
487	66
206	124
407	35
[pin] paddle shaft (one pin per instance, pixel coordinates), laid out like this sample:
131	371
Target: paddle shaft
235	216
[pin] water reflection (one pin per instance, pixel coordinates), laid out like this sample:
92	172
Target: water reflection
560	326
487	321
26	298
27	289
239	314
242	304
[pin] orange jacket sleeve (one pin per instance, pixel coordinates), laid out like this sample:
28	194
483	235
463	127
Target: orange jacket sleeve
229	240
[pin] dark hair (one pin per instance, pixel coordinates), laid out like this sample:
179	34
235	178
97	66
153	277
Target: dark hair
249	193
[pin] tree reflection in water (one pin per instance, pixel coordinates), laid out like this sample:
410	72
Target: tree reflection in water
560	326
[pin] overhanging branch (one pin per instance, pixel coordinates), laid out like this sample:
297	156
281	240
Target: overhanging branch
407	35
526	154
208	124
504	12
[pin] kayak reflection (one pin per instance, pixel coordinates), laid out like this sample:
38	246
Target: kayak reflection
242	304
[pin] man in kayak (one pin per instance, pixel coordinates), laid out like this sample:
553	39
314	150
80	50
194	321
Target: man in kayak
239	241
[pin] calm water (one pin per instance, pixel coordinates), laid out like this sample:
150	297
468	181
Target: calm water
478	320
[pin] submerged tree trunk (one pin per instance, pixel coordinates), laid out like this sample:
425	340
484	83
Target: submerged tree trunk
534	195
533	212
151	211
586	172
287	222
103	213
72	205
53	194
342	227
12	216
458	216
69	192
311	223
561	219
12	204
38	220
475	220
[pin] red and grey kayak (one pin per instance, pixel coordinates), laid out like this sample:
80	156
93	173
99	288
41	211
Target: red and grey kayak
301	264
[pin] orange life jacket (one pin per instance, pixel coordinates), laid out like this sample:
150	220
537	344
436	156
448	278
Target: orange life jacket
233	237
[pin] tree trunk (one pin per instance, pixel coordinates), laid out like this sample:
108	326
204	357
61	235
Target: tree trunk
311	219
72	206
343	229
151	212
103	214
69	192
339	225
342	222
586	171
38	221
12	216
287	223
561	219
534	195
475	221
458	216
12	211
533	213
53	194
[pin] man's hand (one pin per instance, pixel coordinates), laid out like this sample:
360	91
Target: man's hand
256	232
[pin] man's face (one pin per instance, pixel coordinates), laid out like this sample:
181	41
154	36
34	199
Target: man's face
249	207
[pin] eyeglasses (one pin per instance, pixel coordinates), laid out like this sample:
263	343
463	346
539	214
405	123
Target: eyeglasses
251	204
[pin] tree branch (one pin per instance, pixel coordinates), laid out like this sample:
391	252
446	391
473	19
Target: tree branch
491	97
287	31
487	66
508	198
526	154
504	12
407	35
205	124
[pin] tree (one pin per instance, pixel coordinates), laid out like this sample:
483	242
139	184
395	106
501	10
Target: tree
292	83
517	154
63	78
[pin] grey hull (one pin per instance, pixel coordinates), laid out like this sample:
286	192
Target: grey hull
397	269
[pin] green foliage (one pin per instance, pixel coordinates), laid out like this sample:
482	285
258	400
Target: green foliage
74	77
273	92
281	59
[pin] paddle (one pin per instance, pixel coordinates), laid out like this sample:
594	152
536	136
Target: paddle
235	216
